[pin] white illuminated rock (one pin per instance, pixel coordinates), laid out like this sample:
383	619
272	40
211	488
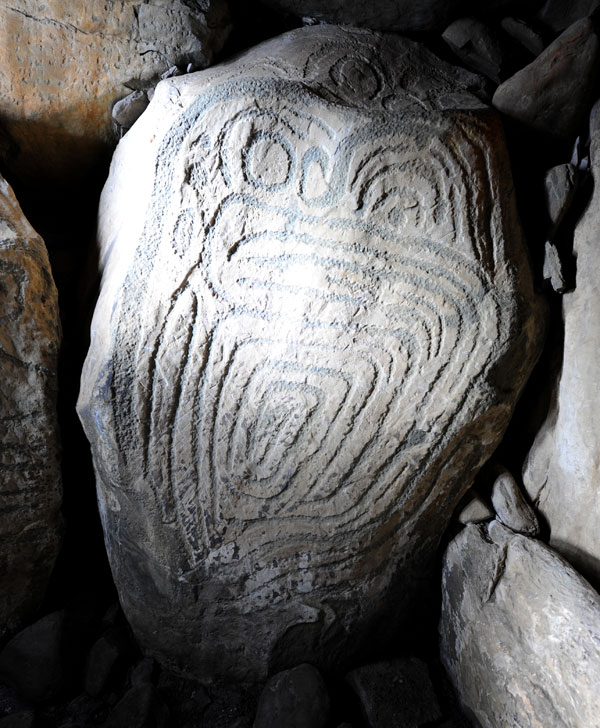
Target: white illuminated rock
315	319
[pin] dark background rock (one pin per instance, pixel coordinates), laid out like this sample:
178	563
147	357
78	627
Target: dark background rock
296	698
22	719
82	566
524	34
558	14
397	692
107	661
397	15
519	631
483	48
553	93
158	613
560	185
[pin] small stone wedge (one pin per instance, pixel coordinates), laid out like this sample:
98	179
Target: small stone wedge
315	319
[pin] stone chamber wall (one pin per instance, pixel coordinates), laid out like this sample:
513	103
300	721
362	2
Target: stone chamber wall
298	343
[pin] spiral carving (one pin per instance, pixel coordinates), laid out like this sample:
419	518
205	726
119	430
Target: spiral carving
306	335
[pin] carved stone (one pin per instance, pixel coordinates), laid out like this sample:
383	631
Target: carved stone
30	491
315	319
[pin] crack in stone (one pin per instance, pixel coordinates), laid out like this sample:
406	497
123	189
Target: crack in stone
499	573
68	26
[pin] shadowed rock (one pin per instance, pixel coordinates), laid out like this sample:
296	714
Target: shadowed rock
401	15
512	509
553	93
396	693
30	487
296	698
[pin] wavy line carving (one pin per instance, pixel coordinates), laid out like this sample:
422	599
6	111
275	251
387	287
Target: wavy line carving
320	297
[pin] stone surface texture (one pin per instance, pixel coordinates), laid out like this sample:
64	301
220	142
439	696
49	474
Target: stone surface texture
66	62
475	511
560	184
562	471
30	487
552	268
478	46
559	14
553	93
396	693
315	319
520	632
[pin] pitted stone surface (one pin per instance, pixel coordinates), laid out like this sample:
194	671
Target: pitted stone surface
30	492
314	322
66	62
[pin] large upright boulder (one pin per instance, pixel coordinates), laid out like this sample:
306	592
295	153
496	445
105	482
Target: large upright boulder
30	491
315	319
562	471
65	63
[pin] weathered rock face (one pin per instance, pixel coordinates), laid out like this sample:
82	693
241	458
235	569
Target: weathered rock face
520	632
562	470
315	319
554	93
511	508
29	464
65	63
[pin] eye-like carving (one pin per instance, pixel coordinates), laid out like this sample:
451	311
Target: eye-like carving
321	297
326	324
